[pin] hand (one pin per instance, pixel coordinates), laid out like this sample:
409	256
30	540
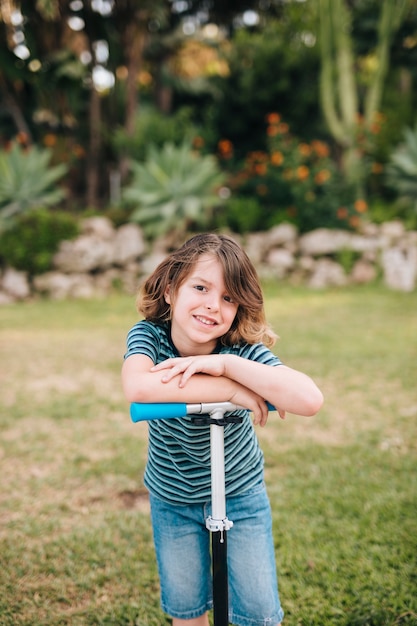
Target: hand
252	401
212	364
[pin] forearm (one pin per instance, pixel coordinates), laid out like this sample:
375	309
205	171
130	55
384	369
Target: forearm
148	387
286	388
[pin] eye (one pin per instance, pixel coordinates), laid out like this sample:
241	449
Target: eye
228	299
200	287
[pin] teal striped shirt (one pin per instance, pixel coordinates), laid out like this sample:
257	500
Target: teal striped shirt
178	465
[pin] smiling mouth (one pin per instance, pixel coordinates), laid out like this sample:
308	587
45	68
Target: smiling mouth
205	321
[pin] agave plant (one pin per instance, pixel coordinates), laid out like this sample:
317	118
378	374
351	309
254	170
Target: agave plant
27	181
402	170
173	189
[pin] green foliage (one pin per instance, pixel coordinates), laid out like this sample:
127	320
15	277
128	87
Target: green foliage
174	190
402	169
27	180
240	214
264	65
347	258
381	211
31	242
153	128
297	182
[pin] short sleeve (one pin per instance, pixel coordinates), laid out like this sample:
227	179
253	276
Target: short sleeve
260	353
144	339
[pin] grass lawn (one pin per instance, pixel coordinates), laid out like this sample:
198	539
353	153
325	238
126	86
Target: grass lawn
75	535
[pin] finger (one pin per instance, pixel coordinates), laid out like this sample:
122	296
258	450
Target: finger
184	378
265	413
258	416
169	374
162	365
282	413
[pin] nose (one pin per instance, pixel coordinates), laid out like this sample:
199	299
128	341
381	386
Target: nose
212	303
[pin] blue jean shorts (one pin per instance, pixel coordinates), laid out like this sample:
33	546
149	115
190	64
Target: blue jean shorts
182	545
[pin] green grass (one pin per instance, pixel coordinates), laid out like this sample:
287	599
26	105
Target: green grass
75	535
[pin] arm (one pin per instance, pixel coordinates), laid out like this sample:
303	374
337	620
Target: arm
284	387
142	382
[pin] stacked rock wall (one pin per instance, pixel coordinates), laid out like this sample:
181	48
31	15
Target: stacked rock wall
103	258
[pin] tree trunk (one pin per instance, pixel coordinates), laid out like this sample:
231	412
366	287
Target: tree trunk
93	161
135	41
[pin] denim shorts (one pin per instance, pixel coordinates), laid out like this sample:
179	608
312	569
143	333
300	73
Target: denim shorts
182	545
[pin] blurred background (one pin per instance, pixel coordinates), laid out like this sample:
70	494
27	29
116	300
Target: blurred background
182	115
127	125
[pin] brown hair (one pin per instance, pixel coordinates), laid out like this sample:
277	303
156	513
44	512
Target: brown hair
240	279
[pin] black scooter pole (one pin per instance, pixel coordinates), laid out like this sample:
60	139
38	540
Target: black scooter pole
220	579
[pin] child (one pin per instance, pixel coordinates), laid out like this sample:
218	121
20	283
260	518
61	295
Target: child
205	339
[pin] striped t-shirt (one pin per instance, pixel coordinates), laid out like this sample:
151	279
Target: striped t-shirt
178	465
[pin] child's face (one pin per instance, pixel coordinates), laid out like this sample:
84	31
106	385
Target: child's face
202	310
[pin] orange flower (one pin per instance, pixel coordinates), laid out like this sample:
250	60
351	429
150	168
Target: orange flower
354	221
342	213
257	156
273	118
22	138
320	148
225	148
283	128
302	172
360	206
49	140
277	158
271	131
260	169
322	176
305	149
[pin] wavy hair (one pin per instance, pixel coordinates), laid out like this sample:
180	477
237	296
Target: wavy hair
241	281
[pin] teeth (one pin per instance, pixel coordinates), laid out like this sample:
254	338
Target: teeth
203	320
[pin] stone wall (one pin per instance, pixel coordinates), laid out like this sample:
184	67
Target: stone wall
103	258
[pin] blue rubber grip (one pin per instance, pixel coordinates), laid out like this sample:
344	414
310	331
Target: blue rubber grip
140	412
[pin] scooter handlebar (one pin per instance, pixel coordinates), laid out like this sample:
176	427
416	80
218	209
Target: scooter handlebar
144	411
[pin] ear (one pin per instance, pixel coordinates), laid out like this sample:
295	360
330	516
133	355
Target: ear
167	295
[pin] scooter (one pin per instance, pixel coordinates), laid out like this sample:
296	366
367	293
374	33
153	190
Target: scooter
214	415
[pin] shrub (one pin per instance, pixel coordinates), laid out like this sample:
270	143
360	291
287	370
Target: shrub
297	182
30	244
153	128
27	180
174	190
242	215
402	172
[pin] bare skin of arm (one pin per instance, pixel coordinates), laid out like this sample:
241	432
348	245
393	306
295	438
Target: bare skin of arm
283	386
217	378
141	384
